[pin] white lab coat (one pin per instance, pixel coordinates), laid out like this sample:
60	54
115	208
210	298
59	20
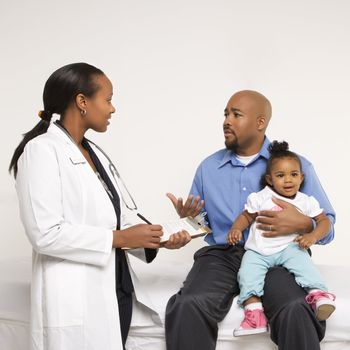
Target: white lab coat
69	218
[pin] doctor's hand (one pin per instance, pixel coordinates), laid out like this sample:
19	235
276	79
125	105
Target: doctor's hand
138	236
284	222
192	206
177	240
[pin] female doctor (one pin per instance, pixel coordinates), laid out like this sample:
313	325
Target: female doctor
73	212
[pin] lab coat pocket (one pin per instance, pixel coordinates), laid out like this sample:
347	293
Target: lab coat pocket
64	293
77	160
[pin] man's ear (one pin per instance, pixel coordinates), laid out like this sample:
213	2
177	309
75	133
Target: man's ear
261	122
268	179
80	101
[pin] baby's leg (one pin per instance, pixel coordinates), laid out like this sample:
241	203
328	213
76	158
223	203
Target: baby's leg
251	275
298	261
251	278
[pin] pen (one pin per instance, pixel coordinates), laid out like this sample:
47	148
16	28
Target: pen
143	219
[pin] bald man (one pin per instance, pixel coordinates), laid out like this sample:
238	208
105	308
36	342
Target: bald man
220	188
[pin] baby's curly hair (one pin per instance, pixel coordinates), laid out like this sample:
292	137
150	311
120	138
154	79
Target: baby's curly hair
278	150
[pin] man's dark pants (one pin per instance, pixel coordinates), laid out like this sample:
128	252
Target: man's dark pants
192	315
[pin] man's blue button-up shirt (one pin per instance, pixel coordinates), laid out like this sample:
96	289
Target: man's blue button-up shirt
225	183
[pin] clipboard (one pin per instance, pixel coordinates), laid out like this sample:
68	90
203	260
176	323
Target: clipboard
195	226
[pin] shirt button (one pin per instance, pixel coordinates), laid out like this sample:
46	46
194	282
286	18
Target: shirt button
244	188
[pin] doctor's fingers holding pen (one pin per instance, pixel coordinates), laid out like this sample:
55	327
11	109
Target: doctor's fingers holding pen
140	235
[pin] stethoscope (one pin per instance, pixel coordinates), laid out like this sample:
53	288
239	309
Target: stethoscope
123	190
117	179
116	176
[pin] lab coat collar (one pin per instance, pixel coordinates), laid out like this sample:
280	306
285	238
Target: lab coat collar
58	132
75	154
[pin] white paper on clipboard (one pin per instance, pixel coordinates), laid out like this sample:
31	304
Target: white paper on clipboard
194	226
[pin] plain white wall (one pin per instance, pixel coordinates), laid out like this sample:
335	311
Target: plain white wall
174	64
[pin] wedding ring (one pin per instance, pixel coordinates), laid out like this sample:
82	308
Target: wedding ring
270	228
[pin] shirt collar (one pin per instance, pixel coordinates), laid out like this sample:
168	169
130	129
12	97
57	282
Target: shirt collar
230	156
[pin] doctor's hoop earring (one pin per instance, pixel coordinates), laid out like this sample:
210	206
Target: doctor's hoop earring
83	112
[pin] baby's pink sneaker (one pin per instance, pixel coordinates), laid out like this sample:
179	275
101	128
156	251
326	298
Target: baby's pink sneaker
322	302
254	322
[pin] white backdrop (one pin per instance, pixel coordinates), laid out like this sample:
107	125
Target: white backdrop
174	64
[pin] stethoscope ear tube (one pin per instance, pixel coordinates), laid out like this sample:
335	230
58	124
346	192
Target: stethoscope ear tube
117	179
116	176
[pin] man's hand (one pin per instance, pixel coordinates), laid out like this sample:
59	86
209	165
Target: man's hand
306	241
234	236
177	240
192	206
280	223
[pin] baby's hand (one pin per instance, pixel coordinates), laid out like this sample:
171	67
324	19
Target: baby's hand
306	240
234	236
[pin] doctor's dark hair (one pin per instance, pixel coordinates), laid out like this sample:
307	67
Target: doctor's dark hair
278	150
60	91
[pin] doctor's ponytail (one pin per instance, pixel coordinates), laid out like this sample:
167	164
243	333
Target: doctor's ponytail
60	91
